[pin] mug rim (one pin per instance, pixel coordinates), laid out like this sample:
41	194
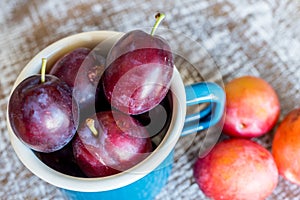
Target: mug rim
58	179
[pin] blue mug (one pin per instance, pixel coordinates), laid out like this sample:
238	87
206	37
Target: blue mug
145	180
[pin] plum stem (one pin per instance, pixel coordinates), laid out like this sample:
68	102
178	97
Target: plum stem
91	124
43	70
159	17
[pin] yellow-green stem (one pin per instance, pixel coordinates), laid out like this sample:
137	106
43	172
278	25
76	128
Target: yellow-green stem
159	17
91	124
43	69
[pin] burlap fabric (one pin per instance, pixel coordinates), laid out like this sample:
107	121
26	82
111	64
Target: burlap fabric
260	38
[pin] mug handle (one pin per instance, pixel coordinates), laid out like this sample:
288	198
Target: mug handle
204	92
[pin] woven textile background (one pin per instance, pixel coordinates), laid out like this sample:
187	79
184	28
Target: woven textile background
260	38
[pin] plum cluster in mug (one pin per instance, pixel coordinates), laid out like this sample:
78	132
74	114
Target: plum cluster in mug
92	116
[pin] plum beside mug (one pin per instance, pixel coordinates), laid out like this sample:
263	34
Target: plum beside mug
145	180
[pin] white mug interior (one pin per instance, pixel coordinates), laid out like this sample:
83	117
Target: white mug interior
37	167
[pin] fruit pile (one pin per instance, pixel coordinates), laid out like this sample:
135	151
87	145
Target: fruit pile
238	167
90	115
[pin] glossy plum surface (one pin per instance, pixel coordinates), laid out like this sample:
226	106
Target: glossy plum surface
43	115
252	107
120	143
237	169
81	69
286	146
138	72
90	164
